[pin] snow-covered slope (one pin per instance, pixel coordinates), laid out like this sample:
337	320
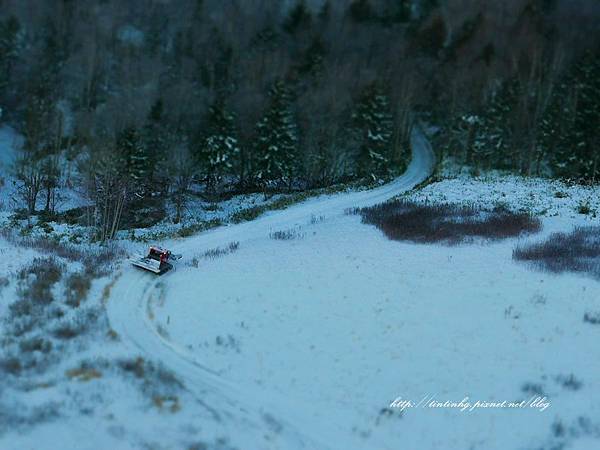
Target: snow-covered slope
538	196
303	342
252	409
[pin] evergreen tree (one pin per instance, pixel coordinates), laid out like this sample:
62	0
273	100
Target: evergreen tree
156	111
299	17
8	49
133	160
587	115
373	127
199	10
492	143
220	147
425	7
325	11
557	131
361	11
312	60
276	139
156	140
569	131
396	11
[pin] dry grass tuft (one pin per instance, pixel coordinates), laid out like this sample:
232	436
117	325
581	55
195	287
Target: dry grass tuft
167	403
83	374
404	220
578	251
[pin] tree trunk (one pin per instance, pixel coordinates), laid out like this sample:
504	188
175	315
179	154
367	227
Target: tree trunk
48	196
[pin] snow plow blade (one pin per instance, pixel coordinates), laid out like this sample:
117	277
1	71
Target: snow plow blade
152	265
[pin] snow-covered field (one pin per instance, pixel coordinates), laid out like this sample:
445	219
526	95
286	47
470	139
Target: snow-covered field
334	325
541	197
304	342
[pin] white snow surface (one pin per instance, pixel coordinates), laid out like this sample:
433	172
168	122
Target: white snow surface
321	333
245	400
541	197
303	343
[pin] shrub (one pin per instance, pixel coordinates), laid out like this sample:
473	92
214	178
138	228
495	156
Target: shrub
405	220
216	253
67	330
247	214
593	318
47	268
53	247
107	288
46	227
97	262
46	272
578	251
286	235
153	376
11	365
167	402
198	227
134	366
533	389
112	335
22	308
22	326
83	373
569	382
584	208
94	260
211	207
77	287
558	429
74	216
229	342
36	344
316	219
44	413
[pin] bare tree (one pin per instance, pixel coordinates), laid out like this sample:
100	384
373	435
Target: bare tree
107	186
181	169
29	176
29	162
535	86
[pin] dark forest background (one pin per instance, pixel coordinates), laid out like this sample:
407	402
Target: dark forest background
149	96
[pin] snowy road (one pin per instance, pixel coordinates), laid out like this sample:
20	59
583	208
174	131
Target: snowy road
246	416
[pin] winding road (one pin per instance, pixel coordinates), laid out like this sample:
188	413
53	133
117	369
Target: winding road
249	419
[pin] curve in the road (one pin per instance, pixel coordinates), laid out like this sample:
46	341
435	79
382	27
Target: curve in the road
239	413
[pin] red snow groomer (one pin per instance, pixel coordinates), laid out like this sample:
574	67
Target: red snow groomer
157	260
